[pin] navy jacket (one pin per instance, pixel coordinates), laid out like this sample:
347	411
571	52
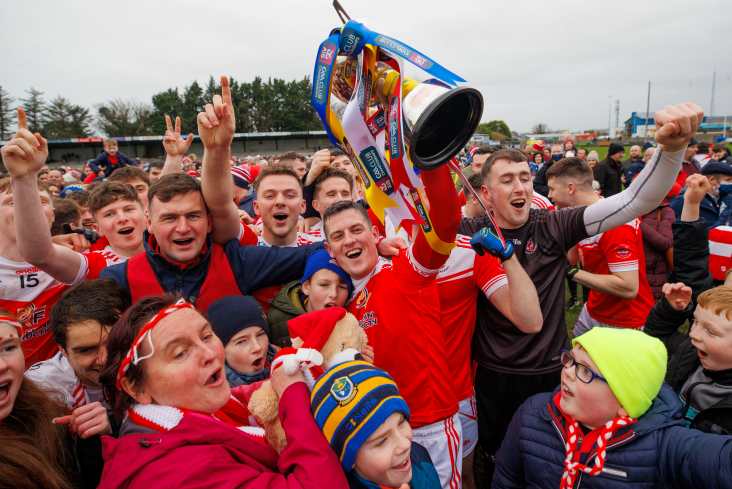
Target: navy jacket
101	166
712	212
424	475
254	267
658	452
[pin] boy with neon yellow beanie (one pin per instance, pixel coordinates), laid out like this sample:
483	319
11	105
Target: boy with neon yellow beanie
366	421
611	424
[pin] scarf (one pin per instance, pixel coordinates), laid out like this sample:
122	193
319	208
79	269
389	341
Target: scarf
237	378
574	449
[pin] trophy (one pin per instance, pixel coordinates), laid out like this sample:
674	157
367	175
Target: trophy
390	125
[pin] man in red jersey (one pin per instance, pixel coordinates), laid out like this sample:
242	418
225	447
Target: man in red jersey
613	262
397	304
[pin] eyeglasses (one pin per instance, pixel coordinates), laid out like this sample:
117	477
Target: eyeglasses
584	373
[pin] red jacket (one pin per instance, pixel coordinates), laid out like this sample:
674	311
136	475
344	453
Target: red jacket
200	452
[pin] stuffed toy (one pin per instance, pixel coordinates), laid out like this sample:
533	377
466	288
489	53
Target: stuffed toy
320	340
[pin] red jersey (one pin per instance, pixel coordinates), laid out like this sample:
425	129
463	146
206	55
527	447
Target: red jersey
96	261
458	281
29	293
720	251
617	250
399	308
538	201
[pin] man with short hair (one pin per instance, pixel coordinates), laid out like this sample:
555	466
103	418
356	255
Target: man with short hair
155	171
613	262
80	321
513	366
296	162
133	176
479	157
633	165
419	363
582	154
279	203
331	186
609	172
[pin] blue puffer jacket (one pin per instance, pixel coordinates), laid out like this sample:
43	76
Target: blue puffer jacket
656	452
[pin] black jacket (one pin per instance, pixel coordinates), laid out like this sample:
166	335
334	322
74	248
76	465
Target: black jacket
608	174
691	254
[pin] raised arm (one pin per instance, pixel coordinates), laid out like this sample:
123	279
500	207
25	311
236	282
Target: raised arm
675	126
175	146
24	156
431	249
216	126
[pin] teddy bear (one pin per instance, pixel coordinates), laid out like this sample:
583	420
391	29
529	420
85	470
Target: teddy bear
320	339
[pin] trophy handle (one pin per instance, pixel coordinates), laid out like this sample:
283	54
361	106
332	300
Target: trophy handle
341	11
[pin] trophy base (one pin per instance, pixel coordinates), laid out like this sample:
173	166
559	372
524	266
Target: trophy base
447	120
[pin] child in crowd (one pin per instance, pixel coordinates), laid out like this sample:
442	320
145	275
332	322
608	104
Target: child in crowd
611	424
366	421
700	363
240	324
324	284
108	160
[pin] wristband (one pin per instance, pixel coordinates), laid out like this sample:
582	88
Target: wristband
573	271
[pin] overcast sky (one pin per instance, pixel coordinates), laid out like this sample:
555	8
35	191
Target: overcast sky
554	61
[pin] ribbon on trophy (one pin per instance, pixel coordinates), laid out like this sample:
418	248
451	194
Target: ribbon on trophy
358	93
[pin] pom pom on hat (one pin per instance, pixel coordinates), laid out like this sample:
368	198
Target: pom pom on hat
632	362
314	328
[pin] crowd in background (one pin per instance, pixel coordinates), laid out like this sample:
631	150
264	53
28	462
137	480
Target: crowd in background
152	312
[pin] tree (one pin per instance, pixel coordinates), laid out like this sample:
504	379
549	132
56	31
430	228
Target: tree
192	103
125	118
540	128
167	102
62	119
7	114
35	109
495	126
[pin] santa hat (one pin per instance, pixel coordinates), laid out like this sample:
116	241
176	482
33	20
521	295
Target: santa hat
314	328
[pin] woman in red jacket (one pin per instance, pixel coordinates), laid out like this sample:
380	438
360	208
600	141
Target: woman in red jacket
184	427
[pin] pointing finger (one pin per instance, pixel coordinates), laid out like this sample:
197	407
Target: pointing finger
22	120
225	89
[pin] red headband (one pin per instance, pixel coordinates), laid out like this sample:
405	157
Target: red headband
132	358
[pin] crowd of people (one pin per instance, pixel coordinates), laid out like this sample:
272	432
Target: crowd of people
144	311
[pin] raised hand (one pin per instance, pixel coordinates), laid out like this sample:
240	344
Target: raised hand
173	143
216	124
26	153
697	186
487	240
677	124
677	295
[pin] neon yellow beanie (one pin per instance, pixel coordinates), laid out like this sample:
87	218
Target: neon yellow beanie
633	363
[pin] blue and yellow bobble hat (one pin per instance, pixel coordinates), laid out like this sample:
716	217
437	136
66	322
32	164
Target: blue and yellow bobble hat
349	402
